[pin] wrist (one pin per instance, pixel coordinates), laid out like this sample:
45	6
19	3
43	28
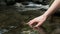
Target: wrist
45	15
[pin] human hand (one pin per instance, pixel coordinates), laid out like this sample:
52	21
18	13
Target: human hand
38	20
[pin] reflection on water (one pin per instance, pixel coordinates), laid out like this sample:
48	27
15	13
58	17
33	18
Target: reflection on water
3	31
22	32
29	32
6	30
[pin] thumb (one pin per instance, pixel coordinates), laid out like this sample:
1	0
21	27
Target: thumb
38	25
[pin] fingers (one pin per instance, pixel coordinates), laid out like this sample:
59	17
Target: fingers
38	25
31	23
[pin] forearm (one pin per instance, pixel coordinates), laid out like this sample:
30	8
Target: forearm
53	8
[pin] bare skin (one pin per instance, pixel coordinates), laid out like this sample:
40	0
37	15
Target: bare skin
40	20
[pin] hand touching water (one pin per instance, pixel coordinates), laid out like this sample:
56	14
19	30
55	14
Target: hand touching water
39	20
